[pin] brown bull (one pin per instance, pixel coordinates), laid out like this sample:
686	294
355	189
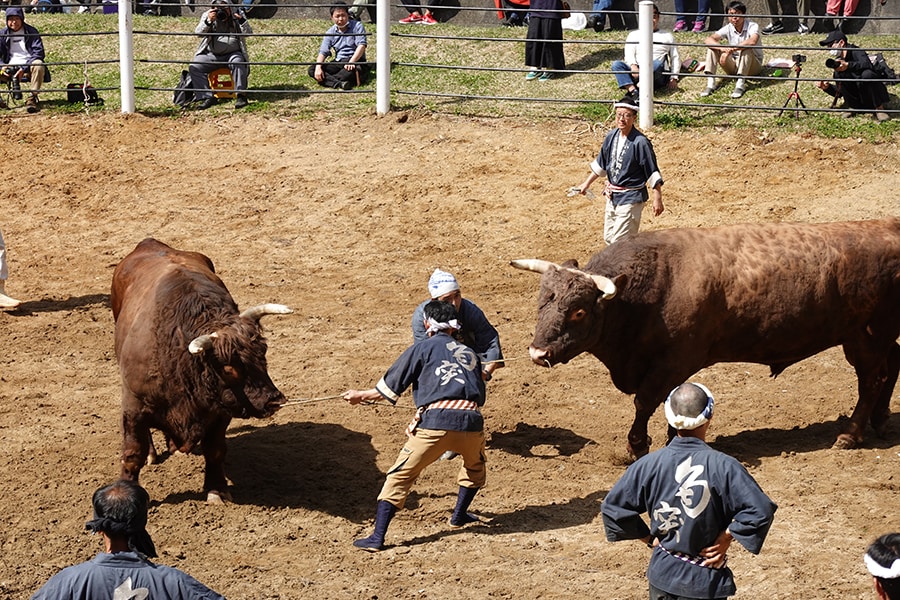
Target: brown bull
189	360
657	308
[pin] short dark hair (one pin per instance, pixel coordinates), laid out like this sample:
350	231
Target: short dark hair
339	5
688	400
886	551
737	6
120	510
440	311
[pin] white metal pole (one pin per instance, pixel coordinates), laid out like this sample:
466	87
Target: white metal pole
383	57
645	63
126	57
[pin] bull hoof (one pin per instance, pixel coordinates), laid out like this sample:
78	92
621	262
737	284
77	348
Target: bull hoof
845	441
217	497
639	449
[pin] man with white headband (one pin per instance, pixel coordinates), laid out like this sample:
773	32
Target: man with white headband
628	163
883	562
475	329
698	500
448	392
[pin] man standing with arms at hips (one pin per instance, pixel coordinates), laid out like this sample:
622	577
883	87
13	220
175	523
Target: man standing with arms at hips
448	391
698	500
628	162
22	55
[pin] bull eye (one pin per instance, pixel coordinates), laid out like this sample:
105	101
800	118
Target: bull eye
578	314
232	375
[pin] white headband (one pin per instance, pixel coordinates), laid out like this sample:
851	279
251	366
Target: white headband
432	326
882	572
625	105
681	422
441	283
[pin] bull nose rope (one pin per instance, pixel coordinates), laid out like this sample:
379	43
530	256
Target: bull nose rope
299	401
335	397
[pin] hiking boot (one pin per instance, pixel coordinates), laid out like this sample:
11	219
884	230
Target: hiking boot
412	18
31	105
772	28
428	19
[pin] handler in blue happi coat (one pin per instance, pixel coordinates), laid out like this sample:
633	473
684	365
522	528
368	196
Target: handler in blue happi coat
448	390
698	500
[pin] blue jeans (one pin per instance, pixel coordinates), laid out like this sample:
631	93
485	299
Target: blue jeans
624	78
599	7
683	15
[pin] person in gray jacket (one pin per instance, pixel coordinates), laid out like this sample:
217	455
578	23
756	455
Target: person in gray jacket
223	43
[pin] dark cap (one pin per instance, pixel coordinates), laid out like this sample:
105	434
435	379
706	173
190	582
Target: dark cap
15	11
835	36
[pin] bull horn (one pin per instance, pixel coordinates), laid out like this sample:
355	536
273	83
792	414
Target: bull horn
604	285
202	343
533	264
256	312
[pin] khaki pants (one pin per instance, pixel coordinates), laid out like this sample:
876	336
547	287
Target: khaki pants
621	221
426	447
746	65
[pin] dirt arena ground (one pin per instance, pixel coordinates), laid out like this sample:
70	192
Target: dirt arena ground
344	220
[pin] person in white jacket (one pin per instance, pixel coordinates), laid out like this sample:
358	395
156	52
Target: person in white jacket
666	61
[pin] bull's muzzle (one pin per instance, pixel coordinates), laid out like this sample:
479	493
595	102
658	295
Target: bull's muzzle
540	357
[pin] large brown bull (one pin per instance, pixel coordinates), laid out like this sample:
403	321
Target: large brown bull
657	308
189	360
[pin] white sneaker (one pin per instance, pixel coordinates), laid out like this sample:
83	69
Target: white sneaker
803	29
707	92
84	9
6	301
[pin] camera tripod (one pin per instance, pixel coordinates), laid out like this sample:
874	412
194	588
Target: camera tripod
795	95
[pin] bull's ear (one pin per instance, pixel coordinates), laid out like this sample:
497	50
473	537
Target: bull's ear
571	264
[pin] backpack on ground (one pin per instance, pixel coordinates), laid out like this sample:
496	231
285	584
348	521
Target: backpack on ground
184	94
883	70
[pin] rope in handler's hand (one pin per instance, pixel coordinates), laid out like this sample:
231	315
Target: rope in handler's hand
335	397
299	401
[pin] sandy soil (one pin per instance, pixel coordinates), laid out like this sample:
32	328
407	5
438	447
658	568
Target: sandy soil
344	220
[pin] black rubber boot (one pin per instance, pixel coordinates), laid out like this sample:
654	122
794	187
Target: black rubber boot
460	517
383	515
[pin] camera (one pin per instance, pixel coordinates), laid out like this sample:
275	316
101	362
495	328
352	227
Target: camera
221	14
798	58
832	64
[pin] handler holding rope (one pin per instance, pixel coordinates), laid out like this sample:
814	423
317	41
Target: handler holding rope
448	392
